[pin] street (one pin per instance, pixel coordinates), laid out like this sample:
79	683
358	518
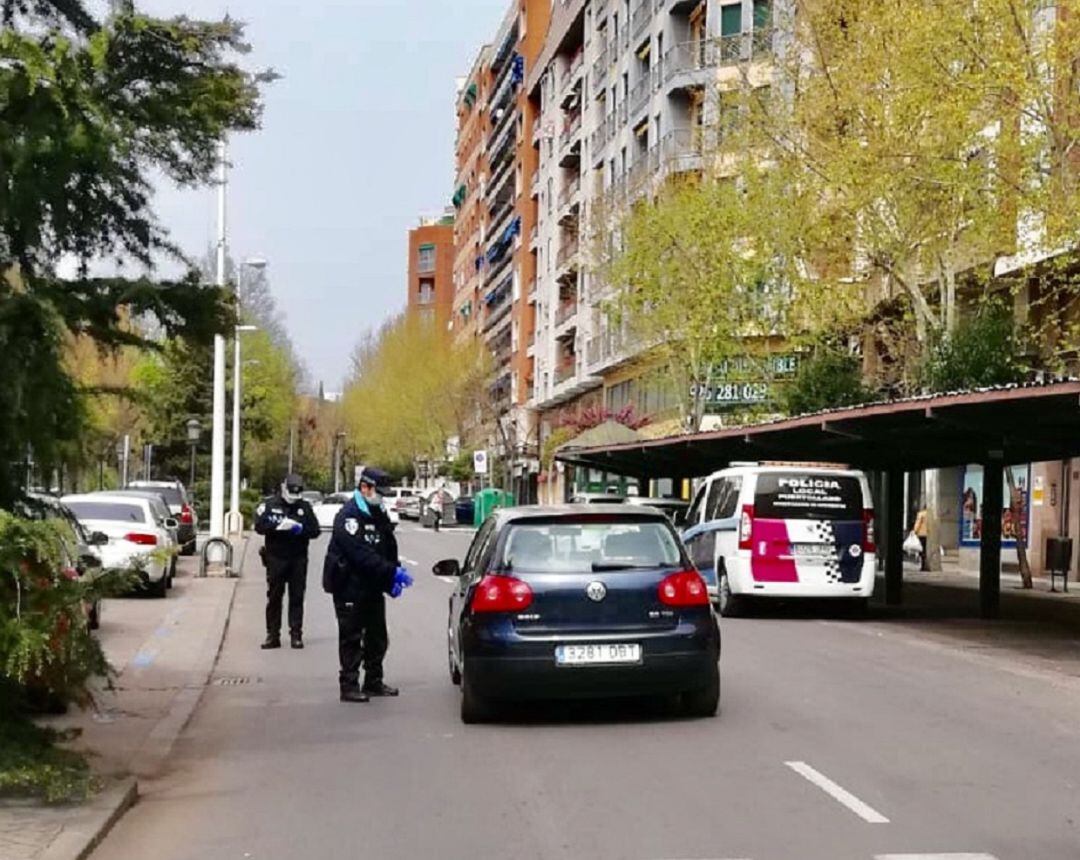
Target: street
835	741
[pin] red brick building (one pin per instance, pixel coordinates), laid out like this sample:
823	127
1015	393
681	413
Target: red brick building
431	269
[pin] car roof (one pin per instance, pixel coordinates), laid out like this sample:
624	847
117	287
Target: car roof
654	500
526	512
171	485
118	497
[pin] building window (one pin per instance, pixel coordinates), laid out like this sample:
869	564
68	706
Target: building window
730	20
425	259
427	292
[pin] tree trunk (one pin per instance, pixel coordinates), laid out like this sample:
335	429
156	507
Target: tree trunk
933	521
1017	509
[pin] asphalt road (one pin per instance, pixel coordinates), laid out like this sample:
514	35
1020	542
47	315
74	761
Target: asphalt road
837	740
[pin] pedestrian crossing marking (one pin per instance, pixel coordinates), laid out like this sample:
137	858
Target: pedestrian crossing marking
841	795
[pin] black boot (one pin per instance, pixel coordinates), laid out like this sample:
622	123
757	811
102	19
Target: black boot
380	689
271	643
296	640
354	695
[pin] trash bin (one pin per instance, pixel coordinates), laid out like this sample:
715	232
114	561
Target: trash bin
465	510
1059	559
487	501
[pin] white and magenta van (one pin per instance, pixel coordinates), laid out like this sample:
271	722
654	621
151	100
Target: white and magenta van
759	531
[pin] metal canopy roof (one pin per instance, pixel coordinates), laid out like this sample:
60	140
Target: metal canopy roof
1017	424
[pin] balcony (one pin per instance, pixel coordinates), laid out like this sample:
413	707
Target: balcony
565	371
640	17
609	349
639	95
534	185
761	43
534	237
643	170
681	151
568	258
568	197
570	141
687	65
599	141
570	78
565	312
601	66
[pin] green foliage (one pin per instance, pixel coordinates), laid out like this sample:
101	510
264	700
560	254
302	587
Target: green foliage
555	440
45	642
89	113
828	378
986	349
31	765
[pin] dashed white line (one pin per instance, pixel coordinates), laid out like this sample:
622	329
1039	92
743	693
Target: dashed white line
935	857
841	795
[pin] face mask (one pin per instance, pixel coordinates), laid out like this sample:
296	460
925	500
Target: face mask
289	496
375	501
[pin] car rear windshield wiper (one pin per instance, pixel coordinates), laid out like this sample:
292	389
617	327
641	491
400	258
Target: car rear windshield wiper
600	566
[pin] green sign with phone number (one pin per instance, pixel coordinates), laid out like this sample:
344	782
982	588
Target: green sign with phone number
746	381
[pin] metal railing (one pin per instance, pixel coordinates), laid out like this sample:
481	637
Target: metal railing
639	95
681	150
601	66
565	312
568	254
570	131
640	17
565	372
569	192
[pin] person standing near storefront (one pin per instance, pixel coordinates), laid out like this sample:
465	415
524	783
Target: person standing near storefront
921	530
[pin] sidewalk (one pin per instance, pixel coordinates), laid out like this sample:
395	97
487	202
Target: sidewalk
1037	630
164	652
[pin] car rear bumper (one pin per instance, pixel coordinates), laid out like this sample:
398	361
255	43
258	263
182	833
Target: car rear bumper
523	668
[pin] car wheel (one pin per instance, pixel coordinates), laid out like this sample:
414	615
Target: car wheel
474	707
705	701
172	573
728	605
158	588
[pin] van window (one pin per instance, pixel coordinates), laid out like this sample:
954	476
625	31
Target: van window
795	496
723	499
694	514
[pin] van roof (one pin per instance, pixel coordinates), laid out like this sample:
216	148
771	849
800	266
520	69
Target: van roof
808	468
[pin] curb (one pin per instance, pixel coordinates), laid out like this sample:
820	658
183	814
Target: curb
85	828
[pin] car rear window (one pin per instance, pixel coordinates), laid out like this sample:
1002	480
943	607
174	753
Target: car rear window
115	511
574	546
795	496
172	495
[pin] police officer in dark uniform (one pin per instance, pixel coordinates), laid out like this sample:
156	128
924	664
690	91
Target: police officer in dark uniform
362	567
288	523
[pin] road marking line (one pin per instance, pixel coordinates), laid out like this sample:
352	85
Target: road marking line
866	812
935	857
410	561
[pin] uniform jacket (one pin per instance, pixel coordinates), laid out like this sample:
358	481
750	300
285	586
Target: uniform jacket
286	545
364	551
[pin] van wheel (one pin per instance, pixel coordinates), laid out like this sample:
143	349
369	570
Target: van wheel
705	701
729	605
159	588
474	707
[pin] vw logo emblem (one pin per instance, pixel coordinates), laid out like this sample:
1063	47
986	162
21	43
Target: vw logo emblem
855	550
596	591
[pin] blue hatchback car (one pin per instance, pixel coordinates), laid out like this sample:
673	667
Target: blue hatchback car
580	601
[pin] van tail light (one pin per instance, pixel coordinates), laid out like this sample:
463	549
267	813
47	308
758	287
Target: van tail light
869	539
141	539
496	593
685	588
186	516
746	527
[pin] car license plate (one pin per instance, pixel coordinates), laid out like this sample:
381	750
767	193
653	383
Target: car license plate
603	654
813	550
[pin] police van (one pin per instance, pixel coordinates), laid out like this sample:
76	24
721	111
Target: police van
783	531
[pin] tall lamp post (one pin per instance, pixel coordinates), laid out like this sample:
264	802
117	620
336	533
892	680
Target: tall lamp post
194	434
217	430
339	437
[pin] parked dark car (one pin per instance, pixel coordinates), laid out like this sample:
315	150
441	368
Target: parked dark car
580	601
180	505
465	510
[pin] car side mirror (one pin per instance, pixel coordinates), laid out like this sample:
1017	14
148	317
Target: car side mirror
98	539
171	523
449	567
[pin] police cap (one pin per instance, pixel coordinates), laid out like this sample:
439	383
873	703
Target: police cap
373	477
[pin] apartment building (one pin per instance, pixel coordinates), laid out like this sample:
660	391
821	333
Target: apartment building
471	217
625	92
495	271
431	267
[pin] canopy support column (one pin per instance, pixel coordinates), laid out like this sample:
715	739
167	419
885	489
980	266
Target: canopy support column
990	544
893	533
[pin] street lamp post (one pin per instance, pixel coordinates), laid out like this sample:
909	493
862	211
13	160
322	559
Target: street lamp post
339	437
217	447
194	433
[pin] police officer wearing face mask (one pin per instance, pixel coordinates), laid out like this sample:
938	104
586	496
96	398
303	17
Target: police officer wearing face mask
362	566
288	523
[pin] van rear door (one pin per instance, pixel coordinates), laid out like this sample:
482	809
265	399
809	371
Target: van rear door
808	527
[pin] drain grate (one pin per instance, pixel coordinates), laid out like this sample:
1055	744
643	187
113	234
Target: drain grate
239	681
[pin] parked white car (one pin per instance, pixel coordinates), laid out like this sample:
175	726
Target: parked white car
328	508
396	499
140	530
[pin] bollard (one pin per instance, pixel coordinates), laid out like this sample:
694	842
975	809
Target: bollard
217	542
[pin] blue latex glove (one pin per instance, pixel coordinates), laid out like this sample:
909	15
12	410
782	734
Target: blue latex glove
296	528
402	578
395	591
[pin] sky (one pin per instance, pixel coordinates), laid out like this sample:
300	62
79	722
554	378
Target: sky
357	143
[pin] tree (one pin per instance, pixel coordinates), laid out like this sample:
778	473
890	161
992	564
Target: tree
89	111
411	390
693	281
829	377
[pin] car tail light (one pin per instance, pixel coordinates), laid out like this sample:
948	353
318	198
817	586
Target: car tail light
496	593
746	527
141	539
186	516
869	540
685	588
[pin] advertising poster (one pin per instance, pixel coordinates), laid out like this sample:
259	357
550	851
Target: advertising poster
971	510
